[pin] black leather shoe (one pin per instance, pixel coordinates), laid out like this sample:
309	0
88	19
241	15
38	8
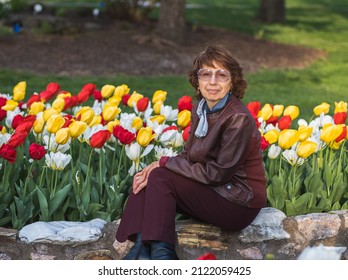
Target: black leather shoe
139	251
163	251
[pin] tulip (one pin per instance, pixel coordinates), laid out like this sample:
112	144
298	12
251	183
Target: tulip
266	112
264	144
330	132
186	133
287	138
306	148
292	111
10	105
110	112
57	161
3	114
340	117
185	103
46	95
284	122
64	94
89	87
33	98
114	100
157	107
58	104
2	129
271	136
53	87
99	138
278	110
63	136
145	136
121	90
85	114
77	128
48	113
107	91
305	132
36	108
111	125
39	125
19	91
123	135
134	98
142	104
274	151
8	153
95	121
125	99
159	95
322	108
97	95
342	135
254	108
54	123
36	151
292	157
137	123
83	96
184	118
26	124
340	107
17	139
17	119
272	120
158	118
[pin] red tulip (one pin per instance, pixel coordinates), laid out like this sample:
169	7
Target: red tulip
32	99
142	104
272	120
125	99
83	96
97	95
16	121
264	143
7	152
99	138
36	151
3	114
53	87
89	87
185	103
17	138
125	136
172	127
3	101
340	117
284	122
186	133
254	107
207	256
342	135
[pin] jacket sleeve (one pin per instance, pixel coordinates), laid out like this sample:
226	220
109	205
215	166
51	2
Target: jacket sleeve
233	151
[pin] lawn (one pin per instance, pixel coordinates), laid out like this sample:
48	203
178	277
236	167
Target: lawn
312	23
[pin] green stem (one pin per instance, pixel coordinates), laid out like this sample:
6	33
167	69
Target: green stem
100	173
27	178
119	164
113	160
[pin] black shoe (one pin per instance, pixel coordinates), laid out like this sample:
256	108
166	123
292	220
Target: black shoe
163	251
139	251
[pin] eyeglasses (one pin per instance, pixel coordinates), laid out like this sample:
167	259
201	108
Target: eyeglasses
220	75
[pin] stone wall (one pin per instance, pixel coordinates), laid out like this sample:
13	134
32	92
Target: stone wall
272	235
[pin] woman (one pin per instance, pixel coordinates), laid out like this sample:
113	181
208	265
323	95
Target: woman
219	176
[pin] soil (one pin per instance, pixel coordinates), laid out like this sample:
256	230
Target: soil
122	48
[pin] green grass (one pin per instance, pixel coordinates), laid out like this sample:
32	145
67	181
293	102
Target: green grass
319	24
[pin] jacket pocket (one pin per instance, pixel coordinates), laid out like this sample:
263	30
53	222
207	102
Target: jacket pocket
236	192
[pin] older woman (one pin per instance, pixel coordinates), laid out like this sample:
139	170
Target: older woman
219	176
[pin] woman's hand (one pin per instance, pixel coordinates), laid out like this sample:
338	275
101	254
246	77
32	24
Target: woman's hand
140	178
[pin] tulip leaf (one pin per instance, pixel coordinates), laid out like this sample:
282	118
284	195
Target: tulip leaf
43	205
59	198
301	203
313	182
336	206
290	208
328	176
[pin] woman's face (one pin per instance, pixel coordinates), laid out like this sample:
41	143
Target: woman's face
214	83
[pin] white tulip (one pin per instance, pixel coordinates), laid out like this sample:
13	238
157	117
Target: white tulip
57	161
274	151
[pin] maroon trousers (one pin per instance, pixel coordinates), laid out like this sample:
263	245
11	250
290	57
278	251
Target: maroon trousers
153	210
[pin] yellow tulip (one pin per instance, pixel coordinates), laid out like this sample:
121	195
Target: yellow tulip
137	123
158	118
292	111
39	125
266	112
271	136
287	138
10	105
330	132
95	121
335	145
145	136
340	107
64	94
63	135
278	110
159	95
305	132
3	130
107	90
114	100
111	125
85	114
121	90
19	91
54	123
49	112
184	118
306	148
77	128
134	98
157	107
322	108
110	112
36	107
58	104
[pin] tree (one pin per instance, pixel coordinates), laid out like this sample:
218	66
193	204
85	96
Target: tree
171	22
272	11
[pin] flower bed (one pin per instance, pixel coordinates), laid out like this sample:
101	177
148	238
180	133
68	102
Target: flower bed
72	157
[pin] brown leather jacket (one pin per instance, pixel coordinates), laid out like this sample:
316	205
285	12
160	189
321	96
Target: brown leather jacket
228	159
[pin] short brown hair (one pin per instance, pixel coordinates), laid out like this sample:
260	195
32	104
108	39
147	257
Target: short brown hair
222	56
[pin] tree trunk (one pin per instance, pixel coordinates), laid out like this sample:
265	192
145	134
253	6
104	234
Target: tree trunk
171	22
272	11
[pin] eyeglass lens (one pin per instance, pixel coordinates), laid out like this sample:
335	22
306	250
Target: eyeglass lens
220	75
